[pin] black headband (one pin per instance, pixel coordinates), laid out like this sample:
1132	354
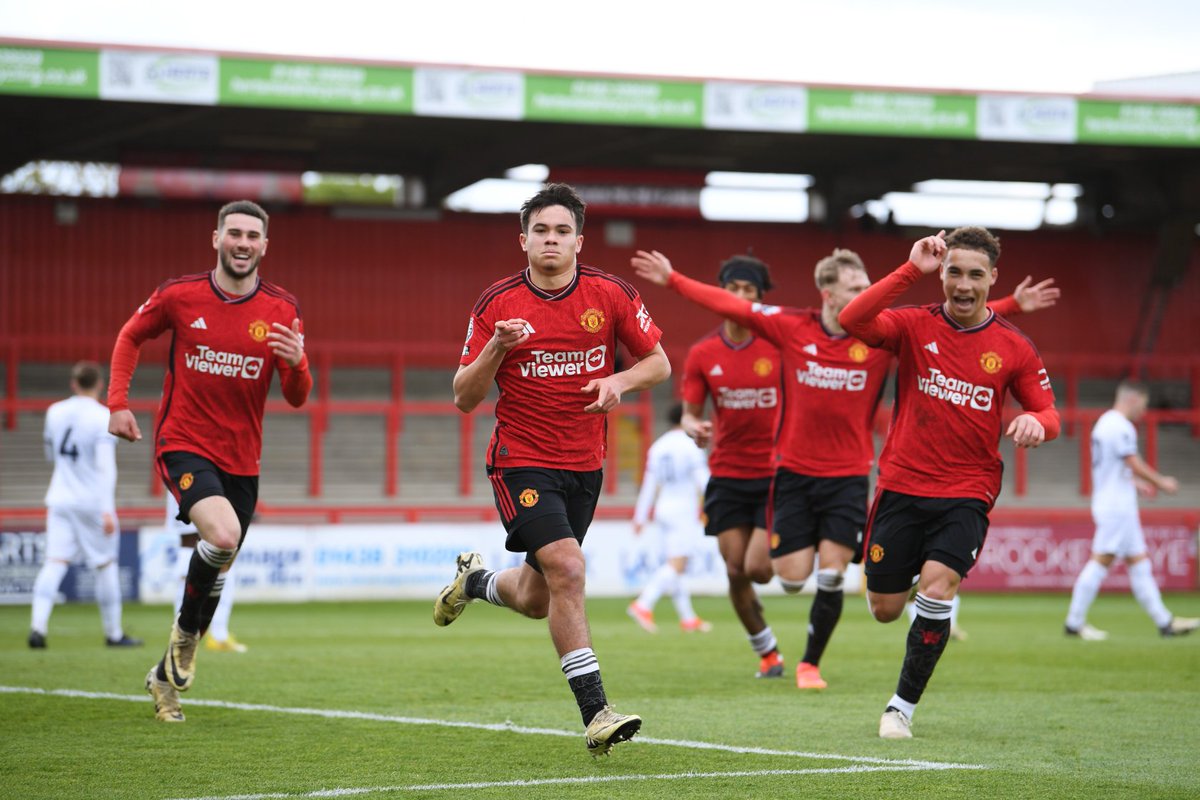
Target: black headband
741	271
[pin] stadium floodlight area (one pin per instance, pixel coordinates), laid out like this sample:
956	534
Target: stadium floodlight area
1004	205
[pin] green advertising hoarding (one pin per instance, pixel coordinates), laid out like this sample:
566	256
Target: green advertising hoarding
49	72
613	101
870	113
318	86
1114	122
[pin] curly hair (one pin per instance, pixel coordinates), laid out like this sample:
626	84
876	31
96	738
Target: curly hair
974	237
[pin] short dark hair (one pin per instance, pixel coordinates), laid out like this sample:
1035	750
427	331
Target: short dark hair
974	237
1133	386
86	374
746	267
675	413
247	207
554	194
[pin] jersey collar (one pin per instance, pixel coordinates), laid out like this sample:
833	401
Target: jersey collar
991	316
232	299
551	296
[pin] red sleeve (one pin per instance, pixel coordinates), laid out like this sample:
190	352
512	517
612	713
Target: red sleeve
635	327
1006	306
694	390
861	318
715	299
146	323
296	382
1031	388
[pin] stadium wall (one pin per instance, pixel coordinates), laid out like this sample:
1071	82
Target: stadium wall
413	281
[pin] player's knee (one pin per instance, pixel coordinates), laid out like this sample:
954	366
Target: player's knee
564	574
884	609
761	575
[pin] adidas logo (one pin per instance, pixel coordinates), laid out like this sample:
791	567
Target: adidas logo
716	371
199	323
932	347
811	349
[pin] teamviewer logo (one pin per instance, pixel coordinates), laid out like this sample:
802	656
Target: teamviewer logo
252	367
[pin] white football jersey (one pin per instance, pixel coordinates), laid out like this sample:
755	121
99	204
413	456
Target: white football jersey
676	474
1114	438
84	454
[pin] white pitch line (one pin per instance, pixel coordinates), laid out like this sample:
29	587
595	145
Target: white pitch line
669	776
505	727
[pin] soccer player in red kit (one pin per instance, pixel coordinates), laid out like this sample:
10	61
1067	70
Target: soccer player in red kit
230	331
547	338
740	372
939	472
831	385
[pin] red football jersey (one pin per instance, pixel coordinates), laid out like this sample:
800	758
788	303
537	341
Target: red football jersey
831	382
743	380
951	386
540	420
220	368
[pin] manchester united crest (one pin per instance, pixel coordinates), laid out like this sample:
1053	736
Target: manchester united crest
876	553
185	481
762	367
990	362
528	498
774	540
592	320
859	352
259	330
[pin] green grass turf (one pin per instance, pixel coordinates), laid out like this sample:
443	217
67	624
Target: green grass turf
1049	717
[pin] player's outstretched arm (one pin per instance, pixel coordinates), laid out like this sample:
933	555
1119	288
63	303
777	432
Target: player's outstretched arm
1140	469
650	370
861	316
473	381
656	268
1027	298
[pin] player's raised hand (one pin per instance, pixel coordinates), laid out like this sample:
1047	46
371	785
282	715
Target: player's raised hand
1036	297
608	394
927	253
510	333
122	424
652	266
287	343
1026	431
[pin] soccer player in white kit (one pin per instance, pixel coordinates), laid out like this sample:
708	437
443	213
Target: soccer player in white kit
676	475
219	638
81	517
1118	472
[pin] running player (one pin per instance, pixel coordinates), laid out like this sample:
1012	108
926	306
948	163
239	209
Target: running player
547	338
230	331
832	384
740	372
81	516
939	472
672	487
1118	473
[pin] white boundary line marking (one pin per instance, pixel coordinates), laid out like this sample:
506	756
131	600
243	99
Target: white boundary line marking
506	727
428	787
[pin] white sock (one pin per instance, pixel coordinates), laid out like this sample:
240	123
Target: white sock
108	597
1145	589
663	581
1087	585
45	588
764	641
219	627
182	558
954	604
492	591
682	599
900	703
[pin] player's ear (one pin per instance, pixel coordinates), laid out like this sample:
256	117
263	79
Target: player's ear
216	240
524	245
578	243
264	250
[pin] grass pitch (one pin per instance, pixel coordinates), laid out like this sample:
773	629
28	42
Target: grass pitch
372	700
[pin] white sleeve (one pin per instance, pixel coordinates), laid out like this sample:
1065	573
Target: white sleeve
701	472
48	440
648	492
106	473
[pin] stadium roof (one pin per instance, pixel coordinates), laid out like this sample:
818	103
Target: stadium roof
451	126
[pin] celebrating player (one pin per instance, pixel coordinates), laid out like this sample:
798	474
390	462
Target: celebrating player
740	371
832	384
230	331
939	472
674	481
547	338
1118	473
81	516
